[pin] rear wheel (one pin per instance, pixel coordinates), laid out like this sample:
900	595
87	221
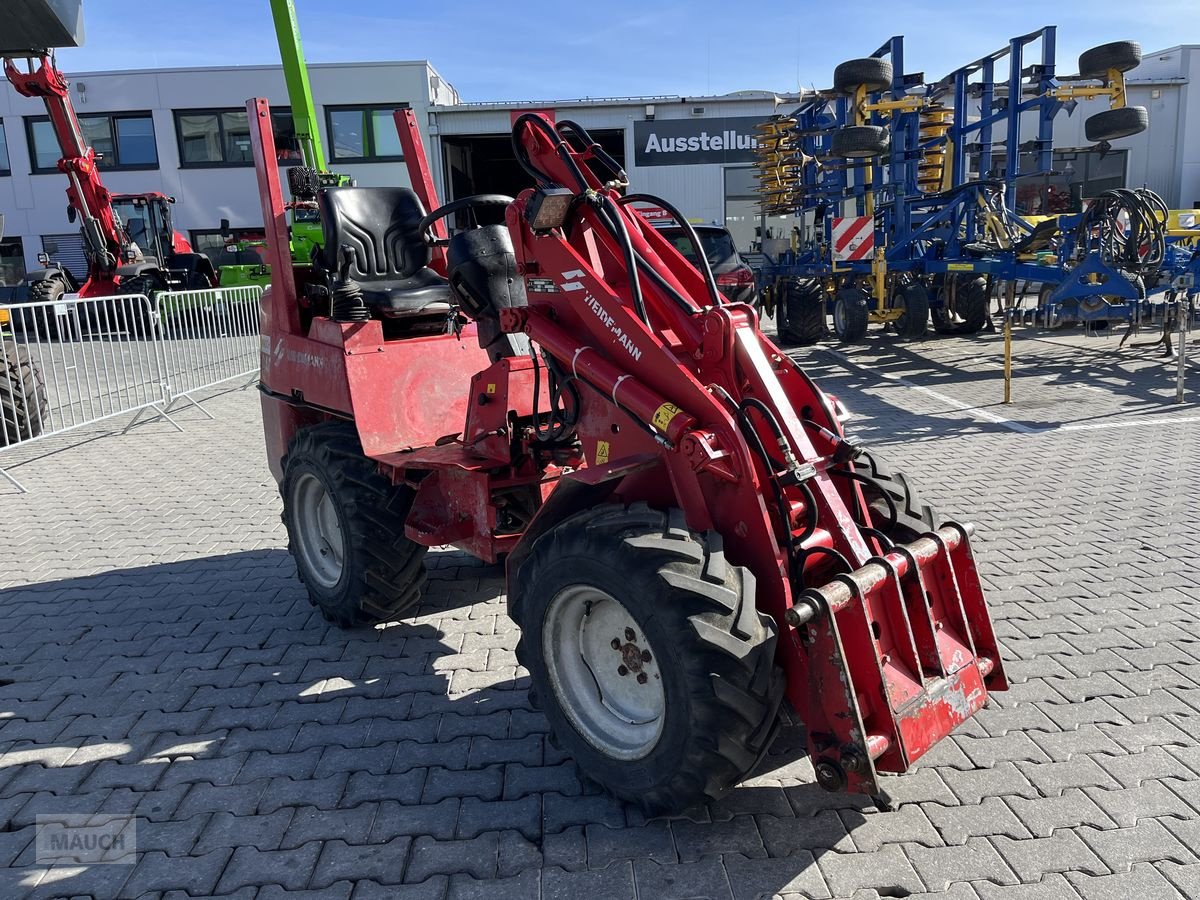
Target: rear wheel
914	300
647	655
805	320
23	403
1119	55
851	315
964	313
345	525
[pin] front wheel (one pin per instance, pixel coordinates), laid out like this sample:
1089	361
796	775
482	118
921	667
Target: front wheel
345	525
647	655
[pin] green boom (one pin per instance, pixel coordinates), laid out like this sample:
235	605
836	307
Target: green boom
295	74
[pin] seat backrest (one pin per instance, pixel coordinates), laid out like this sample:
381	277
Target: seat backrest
380	225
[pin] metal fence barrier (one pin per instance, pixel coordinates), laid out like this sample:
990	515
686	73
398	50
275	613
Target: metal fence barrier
207	337
74	362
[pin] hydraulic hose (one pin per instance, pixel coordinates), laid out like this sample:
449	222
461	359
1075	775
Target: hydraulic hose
705	268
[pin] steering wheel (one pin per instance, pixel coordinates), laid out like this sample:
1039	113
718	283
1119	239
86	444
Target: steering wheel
473	202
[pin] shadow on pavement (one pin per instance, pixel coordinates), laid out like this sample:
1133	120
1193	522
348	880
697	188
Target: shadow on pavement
208	699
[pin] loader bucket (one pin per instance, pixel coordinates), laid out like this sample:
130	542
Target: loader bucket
33	27
914	655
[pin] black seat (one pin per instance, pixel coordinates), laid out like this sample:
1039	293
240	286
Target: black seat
389	257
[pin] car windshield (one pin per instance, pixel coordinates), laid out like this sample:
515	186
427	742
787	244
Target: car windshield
717	243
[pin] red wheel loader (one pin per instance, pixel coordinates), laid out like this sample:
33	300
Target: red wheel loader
690	538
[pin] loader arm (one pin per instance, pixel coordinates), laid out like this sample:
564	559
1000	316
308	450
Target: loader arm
105	244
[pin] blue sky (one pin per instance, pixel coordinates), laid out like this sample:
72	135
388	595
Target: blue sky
497	50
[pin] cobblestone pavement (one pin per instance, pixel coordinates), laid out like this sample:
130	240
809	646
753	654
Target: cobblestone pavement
158	657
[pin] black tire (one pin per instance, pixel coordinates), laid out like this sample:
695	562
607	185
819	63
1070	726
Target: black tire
135	318
303	182
382	571
1119	55
805	320
913	516
714	653
914	300
23	403
859	141
851	314
969	312
42	320
876	74
1113	124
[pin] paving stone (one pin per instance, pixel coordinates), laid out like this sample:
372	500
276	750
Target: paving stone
383	863
437	820
228	830
1053	887
975	860
1142	882
476	857
290	869
886	870
653	841
1042	816
824	831
613	883
673	881
695	841
195	874
518	887
477	816
955	824
433	889
309	824
1063	851
1148	841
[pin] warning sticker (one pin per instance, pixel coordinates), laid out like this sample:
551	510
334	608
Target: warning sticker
601	452
491	388
960	267
663	416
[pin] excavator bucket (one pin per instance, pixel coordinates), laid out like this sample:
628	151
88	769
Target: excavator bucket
915	654
34	27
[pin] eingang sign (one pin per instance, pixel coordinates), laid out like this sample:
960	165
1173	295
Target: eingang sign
681	142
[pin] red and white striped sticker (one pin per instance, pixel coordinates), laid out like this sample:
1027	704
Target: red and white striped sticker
853	238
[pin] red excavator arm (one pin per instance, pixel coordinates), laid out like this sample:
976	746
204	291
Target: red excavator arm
104	241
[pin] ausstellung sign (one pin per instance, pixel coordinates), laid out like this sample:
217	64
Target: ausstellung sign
681	142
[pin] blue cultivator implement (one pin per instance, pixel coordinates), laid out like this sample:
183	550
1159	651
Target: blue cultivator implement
893	226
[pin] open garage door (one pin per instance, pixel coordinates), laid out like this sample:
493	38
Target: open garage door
484	163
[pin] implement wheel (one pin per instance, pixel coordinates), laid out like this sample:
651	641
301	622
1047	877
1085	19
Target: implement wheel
914	300
804	322
851	314
345	525
1119	55
1112	124
968	312
875	74
859	141
647	655
23	404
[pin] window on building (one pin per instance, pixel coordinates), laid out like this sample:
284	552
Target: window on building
121	141
221	137
12	261
364	133
5	168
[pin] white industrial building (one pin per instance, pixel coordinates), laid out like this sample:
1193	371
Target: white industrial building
183	132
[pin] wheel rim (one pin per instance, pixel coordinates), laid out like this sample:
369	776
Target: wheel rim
604	672
319	539
839	316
